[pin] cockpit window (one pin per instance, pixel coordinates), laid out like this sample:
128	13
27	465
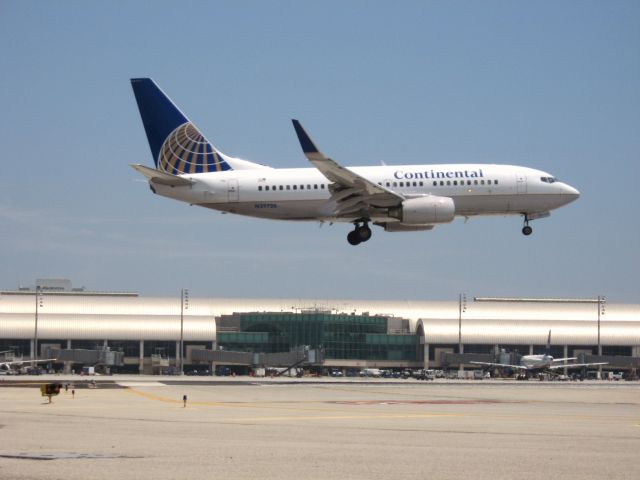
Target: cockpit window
548	179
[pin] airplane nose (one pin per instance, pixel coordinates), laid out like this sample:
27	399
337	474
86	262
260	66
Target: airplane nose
570	192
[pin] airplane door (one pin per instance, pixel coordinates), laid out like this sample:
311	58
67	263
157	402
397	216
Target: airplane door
521	182
233	190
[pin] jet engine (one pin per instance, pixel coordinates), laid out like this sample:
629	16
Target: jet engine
426	210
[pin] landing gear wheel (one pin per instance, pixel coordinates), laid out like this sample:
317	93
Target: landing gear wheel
364	233
353	238
527	230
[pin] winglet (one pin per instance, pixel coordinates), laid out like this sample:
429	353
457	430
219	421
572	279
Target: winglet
308	147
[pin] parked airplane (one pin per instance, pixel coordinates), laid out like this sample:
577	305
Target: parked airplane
540	363
7	369
397	198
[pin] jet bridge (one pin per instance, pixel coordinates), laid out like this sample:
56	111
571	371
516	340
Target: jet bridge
298	356
103	356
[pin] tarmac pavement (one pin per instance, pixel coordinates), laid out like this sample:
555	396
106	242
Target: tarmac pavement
137	428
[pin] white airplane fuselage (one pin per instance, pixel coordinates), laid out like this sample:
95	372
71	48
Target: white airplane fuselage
536	361
304	193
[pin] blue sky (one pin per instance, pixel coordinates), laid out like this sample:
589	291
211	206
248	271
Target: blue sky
550	85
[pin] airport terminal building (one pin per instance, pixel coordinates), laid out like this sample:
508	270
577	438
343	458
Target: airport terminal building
145	333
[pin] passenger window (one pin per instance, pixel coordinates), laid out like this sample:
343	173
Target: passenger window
495	182
267	187
281	187
295	187
288	187
301	187
468	182
402	184
388	184
322	186
315	186
308	187
455	182
448	182
441	183
475	182
260	188
395	184
481	182
435	184
488	182
422	184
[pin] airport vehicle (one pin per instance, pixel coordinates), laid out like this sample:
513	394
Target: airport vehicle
534	364
401	198
424	374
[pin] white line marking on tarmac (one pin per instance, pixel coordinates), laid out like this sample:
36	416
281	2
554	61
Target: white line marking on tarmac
141	384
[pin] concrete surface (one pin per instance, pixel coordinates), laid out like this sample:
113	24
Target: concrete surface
321	430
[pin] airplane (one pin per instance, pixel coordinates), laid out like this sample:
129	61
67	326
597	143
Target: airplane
6	369
539	363
401	198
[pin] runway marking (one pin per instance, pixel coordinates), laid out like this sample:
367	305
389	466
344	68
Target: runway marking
263	405
415	402
142	384
294	407
287	404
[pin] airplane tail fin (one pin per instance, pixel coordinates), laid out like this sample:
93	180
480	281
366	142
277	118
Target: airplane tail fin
176	144
548	350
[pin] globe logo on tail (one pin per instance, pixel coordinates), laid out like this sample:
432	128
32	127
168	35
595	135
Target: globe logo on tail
186	150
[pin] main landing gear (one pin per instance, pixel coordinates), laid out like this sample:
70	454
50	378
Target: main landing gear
362	233
526	230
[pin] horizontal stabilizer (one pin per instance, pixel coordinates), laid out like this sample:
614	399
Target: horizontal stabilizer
161	178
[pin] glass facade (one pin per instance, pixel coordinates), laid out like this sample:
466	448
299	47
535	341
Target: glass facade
349	337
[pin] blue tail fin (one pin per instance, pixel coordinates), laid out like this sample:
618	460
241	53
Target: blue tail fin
548	350
176	144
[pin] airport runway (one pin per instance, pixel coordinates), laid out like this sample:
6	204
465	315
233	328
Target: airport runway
322	430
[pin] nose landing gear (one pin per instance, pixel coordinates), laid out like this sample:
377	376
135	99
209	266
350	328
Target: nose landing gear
360	234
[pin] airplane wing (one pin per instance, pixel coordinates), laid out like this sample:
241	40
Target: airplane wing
563	359
575	365
162	178
352	192
505	365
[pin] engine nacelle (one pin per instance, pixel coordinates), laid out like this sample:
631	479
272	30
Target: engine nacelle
425	210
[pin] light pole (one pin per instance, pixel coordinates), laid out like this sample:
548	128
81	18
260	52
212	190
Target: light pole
601	301
184	305
462	307
38	298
